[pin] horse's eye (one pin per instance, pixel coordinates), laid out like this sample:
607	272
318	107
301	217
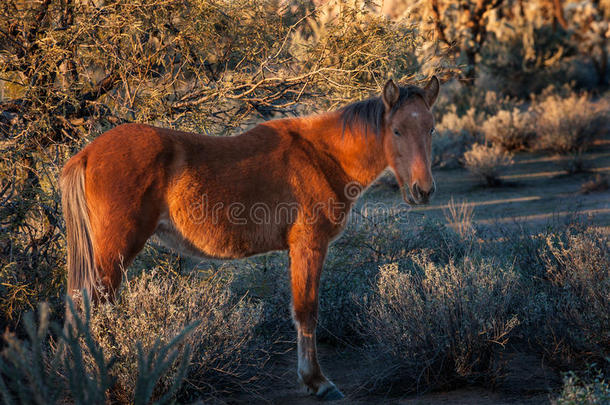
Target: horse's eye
432	131
396	132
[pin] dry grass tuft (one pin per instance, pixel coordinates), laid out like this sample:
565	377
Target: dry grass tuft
486	161
459	216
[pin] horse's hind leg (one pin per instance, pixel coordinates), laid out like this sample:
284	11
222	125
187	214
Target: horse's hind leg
115	248
117	238
306	261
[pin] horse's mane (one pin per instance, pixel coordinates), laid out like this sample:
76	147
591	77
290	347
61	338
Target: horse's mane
368	114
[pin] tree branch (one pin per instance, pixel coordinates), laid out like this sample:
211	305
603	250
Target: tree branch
438	23
102	87
558	12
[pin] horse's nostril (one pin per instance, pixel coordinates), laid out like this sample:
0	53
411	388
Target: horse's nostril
420	194
416	191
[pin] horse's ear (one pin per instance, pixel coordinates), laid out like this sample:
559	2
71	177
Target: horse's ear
431	90
390	94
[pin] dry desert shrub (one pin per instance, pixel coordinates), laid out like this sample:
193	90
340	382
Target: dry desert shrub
485	162
569	124
455	133
55	365
157	306
461	118
513	130
374	236
440	323
354	261
448	148
468	123
564	291
578	291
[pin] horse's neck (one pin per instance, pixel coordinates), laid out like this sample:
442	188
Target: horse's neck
360	155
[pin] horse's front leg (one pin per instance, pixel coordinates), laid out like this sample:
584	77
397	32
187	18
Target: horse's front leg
306	261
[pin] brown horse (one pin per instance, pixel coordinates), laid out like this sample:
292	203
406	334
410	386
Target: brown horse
284	184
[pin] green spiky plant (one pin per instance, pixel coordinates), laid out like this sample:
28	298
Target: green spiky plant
37	371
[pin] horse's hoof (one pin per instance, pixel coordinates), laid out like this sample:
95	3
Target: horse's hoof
330	393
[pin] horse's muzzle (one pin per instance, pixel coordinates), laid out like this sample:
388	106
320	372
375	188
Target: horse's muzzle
418	195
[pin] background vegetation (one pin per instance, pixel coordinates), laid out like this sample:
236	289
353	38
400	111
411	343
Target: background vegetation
445	301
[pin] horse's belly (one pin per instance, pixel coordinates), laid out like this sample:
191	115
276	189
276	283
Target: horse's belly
215	241
167	235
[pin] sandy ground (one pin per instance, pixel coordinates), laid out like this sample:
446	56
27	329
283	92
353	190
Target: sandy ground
526	382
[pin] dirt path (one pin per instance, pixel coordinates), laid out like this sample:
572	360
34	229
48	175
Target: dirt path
345	368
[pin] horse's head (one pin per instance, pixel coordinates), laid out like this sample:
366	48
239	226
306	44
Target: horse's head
408	129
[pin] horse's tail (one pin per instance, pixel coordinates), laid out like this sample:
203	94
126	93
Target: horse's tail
81	262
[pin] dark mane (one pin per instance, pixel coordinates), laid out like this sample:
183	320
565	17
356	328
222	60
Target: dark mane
368	114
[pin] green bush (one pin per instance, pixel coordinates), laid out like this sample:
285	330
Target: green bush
594	390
